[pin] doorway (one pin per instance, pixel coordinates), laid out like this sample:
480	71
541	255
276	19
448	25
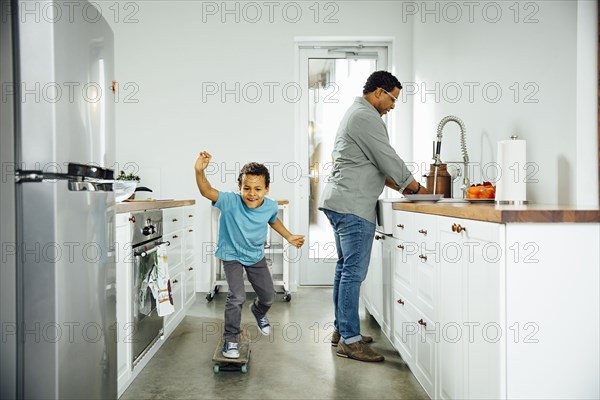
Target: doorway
333	75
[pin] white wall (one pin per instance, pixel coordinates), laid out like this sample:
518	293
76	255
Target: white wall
522	49
170	54
169	51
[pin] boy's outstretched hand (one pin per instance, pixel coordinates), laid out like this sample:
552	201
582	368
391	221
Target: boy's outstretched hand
202	161
296	240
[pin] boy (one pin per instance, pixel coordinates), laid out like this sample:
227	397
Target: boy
242	233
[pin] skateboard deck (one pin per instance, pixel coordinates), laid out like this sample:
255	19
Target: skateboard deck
222	363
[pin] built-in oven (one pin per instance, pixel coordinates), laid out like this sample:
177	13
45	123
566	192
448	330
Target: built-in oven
146	236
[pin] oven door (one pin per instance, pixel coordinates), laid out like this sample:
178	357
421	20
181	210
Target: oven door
148	326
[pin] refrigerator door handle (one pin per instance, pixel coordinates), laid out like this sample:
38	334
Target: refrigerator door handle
101	178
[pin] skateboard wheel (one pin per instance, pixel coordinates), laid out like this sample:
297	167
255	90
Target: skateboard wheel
209	297
287	297
216	368
244	368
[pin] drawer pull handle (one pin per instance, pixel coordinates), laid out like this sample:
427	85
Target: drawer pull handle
423	231
190	268
400	301
191	216
421	322
175	220
458	228
175	236
401	226
401	246
423	257
132	219
175	281
377	237
191	230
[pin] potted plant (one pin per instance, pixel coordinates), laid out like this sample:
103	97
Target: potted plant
124	186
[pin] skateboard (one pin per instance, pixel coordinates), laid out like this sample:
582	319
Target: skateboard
222	363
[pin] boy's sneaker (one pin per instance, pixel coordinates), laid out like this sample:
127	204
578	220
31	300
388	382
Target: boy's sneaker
262	322
230	350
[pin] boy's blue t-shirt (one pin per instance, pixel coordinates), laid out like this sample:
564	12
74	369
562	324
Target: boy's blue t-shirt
243	230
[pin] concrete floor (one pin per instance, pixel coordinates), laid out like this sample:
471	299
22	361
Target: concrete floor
295	362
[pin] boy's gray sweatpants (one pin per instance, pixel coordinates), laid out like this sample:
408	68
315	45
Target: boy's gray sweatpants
260	278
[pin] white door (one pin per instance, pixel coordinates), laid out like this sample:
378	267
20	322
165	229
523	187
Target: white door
333	75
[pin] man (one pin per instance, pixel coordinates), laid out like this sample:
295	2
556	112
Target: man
364	162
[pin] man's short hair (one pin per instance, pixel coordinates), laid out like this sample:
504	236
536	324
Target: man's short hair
381	79
256	169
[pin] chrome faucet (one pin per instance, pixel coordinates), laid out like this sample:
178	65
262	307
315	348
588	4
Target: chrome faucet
463	145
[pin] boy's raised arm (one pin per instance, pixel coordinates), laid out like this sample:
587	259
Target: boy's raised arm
204	185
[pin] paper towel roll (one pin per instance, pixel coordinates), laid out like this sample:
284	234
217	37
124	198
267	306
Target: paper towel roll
511	187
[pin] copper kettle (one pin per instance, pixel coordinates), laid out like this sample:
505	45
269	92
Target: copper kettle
444	180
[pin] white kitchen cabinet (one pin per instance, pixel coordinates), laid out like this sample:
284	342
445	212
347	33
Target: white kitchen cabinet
413	285
178	231
371	289
180	252
493	311
124	295
552	310
469	309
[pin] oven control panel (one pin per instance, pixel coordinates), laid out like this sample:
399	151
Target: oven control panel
147	225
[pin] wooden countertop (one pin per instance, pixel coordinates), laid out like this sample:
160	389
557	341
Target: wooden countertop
140	205
504	213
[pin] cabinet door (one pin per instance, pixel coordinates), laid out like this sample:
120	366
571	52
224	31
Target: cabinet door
174	249
425	344
425	256
372	290
190	284
124	284
387	251
471	324
405	328
177	292
451	310
172	219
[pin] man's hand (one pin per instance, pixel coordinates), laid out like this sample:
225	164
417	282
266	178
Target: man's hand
296	240
202	161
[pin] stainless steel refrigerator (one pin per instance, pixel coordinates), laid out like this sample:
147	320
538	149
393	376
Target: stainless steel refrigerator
58	302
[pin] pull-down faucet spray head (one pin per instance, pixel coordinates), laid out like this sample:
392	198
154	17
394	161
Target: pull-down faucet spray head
463	145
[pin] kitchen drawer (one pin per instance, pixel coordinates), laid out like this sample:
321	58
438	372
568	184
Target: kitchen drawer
172	219
424	233
174	249
403	224
177	291
405	327
425	286
189	216
424	363
188	245
403	271
190	283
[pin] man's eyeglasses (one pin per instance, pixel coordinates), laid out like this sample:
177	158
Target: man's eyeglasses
394	98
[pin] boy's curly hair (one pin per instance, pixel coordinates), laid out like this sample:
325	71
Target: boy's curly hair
256	169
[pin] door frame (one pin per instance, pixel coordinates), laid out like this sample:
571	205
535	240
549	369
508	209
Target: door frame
299	216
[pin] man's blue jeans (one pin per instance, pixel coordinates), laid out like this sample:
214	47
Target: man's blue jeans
353	240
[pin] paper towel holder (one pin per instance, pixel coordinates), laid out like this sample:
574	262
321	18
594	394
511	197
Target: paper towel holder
512	202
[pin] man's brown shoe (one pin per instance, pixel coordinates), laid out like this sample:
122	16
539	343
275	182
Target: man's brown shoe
335	338
358	351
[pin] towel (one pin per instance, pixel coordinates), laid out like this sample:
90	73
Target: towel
160	283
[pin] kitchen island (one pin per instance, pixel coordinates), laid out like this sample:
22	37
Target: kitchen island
486	301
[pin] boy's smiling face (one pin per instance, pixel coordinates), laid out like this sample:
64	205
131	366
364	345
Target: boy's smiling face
253	190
